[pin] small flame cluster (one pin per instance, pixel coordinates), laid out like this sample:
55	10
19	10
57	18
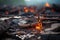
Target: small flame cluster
47	4
26	9
31	9
39	26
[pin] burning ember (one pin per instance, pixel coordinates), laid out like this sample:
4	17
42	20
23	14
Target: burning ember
47	5
26	9
39	26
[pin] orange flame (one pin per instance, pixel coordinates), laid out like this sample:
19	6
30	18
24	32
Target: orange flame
47	5
26	10
39	26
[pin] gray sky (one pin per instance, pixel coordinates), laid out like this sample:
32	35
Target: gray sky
28	2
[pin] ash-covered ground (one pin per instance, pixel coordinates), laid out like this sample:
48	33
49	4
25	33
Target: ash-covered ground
18	23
